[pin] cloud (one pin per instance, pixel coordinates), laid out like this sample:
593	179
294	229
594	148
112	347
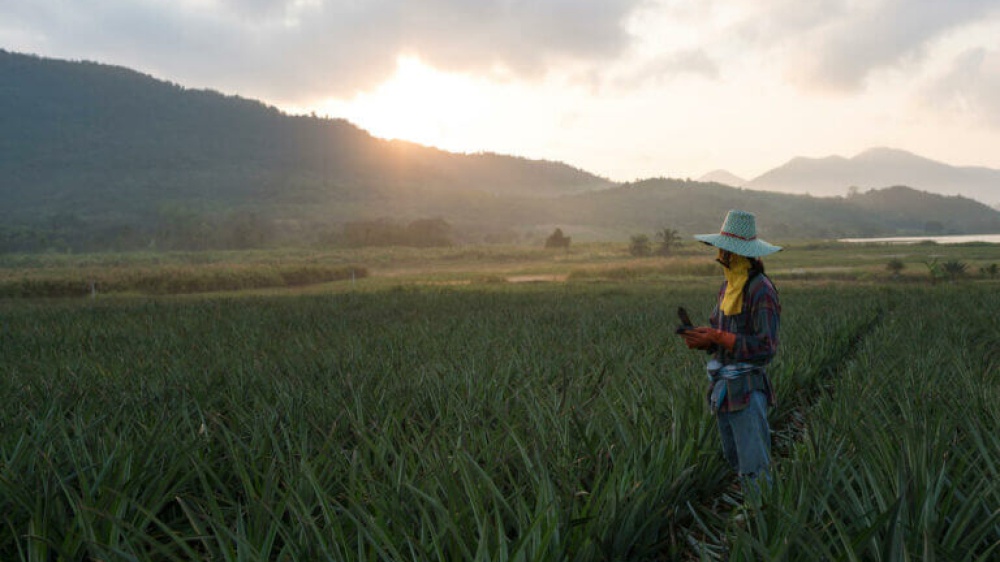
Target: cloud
661	70
694	61
299	48
971	87
523	35
837	44
294	51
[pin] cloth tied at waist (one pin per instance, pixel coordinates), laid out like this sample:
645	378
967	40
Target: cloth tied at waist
733	381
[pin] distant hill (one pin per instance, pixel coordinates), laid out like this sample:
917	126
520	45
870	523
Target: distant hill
96	157
878	168
723	177
694	207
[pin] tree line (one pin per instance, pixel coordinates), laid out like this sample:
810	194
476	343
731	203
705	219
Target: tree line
177	228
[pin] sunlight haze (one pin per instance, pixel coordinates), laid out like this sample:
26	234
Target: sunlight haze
625	89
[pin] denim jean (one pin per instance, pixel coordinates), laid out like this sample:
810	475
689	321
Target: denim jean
746	438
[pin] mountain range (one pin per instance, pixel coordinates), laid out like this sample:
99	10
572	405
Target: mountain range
877	168
872	169
99	157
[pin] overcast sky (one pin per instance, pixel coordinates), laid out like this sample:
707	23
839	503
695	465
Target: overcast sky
625	89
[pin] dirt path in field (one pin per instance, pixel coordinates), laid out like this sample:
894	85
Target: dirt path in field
486	273
537	278
508	279
790	428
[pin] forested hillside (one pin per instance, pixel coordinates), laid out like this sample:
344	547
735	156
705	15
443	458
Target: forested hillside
107	149
693	207
98	158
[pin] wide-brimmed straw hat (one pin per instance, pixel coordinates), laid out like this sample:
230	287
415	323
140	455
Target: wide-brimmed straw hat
739	236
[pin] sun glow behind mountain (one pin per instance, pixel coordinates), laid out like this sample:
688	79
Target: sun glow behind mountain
420	104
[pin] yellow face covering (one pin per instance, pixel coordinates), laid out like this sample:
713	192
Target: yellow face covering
736	277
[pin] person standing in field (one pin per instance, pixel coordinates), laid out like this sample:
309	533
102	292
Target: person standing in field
742	337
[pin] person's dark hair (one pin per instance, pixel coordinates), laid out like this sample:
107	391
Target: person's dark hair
756	268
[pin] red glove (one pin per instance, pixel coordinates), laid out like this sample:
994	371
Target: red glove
705	338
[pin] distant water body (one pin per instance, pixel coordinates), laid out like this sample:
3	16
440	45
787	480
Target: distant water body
992	238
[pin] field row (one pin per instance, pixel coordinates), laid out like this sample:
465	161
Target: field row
561	422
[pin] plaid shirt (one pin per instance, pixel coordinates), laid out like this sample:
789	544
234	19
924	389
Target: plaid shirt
756	329
756	326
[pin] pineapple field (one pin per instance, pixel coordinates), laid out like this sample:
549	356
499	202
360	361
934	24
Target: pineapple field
493	421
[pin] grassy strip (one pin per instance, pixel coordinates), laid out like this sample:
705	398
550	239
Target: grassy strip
173	279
